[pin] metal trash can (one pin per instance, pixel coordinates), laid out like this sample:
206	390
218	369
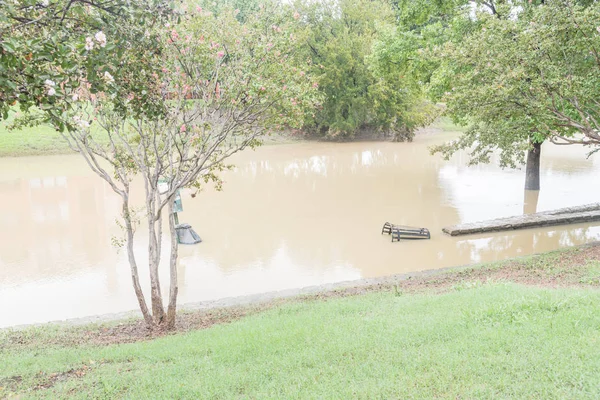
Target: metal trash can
186	235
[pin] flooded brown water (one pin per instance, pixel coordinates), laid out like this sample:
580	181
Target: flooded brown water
290	216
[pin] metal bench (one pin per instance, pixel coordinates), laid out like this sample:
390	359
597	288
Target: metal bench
405	232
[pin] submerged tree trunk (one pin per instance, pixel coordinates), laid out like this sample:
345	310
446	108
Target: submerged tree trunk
530	201
532	173
174	288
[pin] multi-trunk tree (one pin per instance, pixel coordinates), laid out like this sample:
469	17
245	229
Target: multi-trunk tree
209	87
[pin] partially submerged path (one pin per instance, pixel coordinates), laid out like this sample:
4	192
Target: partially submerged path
562	216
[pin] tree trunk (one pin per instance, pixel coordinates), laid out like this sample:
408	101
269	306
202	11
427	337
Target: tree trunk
158	311
532	174
174	288
133	265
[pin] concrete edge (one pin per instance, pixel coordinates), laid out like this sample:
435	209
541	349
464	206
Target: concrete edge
262	298
562	216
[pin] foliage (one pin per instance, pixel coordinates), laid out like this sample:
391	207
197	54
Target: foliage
223	85
243	8
51	50
478	341
339	42
522	78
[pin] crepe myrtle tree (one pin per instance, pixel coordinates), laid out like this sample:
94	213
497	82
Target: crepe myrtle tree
224	85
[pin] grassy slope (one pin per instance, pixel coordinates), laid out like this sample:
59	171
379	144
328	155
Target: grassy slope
475	341
44	140
41	140
38	140
445	124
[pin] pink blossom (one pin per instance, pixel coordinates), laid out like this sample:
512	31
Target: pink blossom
315	85
198	9
262	88
183	128
302	73
284	87
296	15
100	38
236	11
220	54
89	43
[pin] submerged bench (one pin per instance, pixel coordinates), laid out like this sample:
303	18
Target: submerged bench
405	232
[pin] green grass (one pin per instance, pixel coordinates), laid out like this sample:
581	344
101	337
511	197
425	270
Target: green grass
446	124
495	340
39	140
44	140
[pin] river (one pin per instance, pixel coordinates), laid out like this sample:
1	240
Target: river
290	216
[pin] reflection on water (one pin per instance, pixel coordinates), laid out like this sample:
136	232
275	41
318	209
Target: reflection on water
290	216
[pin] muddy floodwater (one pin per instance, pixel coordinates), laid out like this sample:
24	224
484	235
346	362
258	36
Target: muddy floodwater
289	216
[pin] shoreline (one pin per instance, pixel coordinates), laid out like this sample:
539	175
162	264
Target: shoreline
296	294
253	299
46	142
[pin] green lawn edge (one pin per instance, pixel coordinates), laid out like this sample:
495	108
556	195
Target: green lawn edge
463	333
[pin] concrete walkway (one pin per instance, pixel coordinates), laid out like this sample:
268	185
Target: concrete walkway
562	216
